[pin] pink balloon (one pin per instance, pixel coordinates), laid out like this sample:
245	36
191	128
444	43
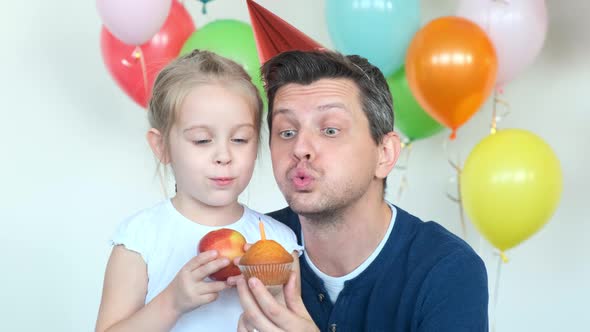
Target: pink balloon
133	22
517	29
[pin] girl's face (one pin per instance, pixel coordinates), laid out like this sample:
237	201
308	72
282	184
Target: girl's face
213	145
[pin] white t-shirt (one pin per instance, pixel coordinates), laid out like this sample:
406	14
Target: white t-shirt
334	285
166	240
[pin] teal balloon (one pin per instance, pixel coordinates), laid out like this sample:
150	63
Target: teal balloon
410	118
232	39
379	30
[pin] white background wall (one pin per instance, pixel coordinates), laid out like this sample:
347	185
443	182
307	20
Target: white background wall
75	162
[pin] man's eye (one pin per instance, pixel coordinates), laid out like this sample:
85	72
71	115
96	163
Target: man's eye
201	141
331	131
287	134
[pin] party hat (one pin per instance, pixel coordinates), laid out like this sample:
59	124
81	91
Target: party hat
274	35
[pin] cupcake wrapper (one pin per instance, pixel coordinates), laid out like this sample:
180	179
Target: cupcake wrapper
269	274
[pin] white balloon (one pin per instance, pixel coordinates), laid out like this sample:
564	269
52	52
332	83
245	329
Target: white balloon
133	22
517	29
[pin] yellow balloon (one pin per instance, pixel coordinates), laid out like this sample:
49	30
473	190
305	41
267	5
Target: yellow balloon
510	186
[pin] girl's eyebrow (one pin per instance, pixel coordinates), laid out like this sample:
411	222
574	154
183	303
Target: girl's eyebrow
195	127
207	127
244	125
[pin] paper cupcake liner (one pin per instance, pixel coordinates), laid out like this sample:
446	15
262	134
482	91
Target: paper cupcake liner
269	274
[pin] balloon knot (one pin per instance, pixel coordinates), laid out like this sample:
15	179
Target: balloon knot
453	135
204	10
504	257
136	53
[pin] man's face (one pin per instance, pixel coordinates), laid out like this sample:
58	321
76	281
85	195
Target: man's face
324	158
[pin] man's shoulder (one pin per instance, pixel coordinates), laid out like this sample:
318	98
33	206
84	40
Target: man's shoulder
431	242
442	268
283	214
289	218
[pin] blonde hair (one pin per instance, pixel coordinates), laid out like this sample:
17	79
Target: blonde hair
189	71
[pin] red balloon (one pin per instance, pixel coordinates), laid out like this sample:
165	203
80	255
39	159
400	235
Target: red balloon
132	69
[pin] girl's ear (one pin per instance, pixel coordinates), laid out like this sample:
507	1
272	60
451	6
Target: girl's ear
156	142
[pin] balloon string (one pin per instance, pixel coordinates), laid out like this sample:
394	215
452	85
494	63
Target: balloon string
480	247
501	259
457	199
460	203
494	112
138	55
406	150
495	117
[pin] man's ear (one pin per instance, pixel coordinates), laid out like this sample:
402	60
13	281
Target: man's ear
389	151
156	142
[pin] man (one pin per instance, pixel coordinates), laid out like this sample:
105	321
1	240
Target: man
368	265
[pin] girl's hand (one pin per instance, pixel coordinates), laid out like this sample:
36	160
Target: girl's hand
189	289
233	280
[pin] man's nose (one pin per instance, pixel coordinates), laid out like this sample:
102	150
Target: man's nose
304	148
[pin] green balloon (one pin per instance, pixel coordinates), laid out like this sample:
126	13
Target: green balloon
232	39
410	118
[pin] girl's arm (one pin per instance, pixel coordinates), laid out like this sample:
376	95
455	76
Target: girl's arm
124	291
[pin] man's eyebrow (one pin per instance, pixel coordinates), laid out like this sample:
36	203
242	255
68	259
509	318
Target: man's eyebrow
329	106
282	111
324	107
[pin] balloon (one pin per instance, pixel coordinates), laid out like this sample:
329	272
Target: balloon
510	186
133	22
377	30
229	38
517	30
157	53
410	118
451	69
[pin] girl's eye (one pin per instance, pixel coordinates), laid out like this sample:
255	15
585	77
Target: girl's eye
240	140
201	141
330	131
287	134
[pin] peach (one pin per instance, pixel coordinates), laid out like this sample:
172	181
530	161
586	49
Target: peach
229	243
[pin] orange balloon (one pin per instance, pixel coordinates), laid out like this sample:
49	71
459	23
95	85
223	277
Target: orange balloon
451	67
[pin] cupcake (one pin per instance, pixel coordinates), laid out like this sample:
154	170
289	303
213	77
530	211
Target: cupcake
268	261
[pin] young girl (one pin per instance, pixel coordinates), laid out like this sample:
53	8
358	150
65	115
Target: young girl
205	115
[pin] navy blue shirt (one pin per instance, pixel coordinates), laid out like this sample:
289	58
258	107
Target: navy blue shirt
425	279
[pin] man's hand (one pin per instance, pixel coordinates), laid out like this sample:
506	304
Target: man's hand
262	311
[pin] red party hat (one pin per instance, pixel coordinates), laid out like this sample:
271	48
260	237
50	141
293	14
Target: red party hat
274	35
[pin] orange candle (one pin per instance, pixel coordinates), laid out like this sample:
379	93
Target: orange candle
261	226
